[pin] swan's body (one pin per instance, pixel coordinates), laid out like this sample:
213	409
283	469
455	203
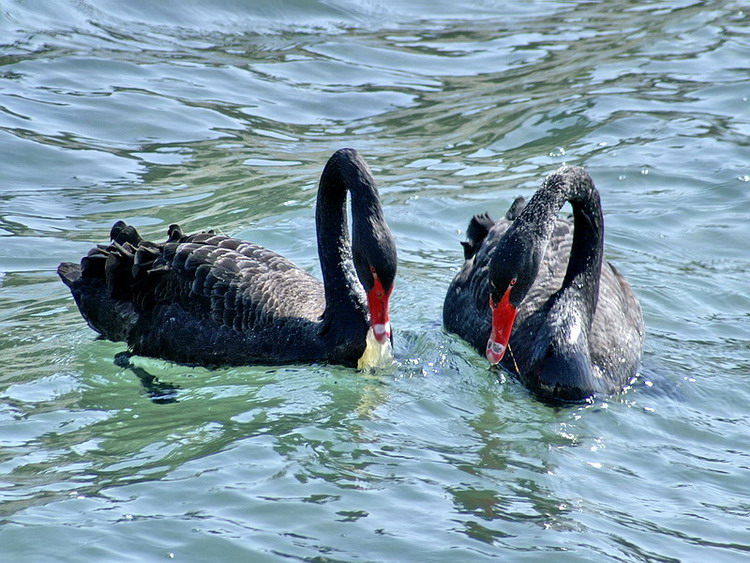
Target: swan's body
536	287
214	300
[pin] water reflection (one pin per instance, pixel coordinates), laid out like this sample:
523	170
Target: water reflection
160	392
219	117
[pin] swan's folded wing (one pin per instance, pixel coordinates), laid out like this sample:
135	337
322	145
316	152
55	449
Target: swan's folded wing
227	281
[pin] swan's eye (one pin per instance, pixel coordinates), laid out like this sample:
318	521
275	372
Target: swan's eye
513	281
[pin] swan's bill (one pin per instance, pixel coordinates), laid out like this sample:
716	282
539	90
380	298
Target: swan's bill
382	331
377	354
495	352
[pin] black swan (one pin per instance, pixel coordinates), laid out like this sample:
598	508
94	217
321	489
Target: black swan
208	299
535	286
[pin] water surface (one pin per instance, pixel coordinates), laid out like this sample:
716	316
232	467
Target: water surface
220	114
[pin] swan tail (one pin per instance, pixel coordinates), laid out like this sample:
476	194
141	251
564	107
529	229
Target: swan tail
476	232
111	318
480	225
102	284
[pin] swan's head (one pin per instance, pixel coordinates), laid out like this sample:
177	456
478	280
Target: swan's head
374	256
563	373
372	245
513	267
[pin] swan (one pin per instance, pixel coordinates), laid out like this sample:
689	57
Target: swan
535	296
208	299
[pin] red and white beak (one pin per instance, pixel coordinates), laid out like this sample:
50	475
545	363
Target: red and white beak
377	300
503	317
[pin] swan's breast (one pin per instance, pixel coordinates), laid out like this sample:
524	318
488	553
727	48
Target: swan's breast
574	329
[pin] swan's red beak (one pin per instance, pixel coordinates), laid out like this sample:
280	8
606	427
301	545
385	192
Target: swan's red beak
377	299
503	317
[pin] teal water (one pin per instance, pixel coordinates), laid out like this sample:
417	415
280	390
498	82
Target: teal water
220	114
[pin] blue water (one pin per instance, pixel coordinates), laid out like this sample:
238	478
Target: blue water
220	114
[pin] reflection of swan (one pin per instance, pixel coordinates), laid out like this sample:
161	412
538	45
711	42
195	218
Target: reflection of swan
214	300
159	392
574	327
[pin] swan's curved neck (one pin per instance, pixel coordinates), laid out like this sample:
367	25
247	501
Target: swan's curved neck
343	291
584	265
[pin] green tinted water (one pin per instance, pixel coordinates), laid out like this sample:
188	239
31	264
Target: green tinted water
221	115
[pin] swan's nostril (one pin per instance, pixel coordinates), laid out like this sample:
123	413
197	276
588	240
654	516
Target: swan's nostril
495	352
382	332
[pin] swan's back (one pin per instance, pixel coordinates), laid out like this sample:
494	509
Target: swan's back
616	334
202	298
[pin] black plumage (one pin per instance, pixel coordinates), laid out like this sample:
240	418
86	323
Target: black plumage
579	327
215	300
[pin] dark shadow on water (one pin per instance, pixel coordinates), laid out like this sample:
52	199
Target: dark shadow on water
160	392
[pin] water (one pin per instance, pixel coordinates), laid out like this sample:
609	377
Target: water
221	115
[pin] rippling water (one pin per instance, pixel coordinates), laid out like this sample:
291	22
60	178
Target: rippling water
221	115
